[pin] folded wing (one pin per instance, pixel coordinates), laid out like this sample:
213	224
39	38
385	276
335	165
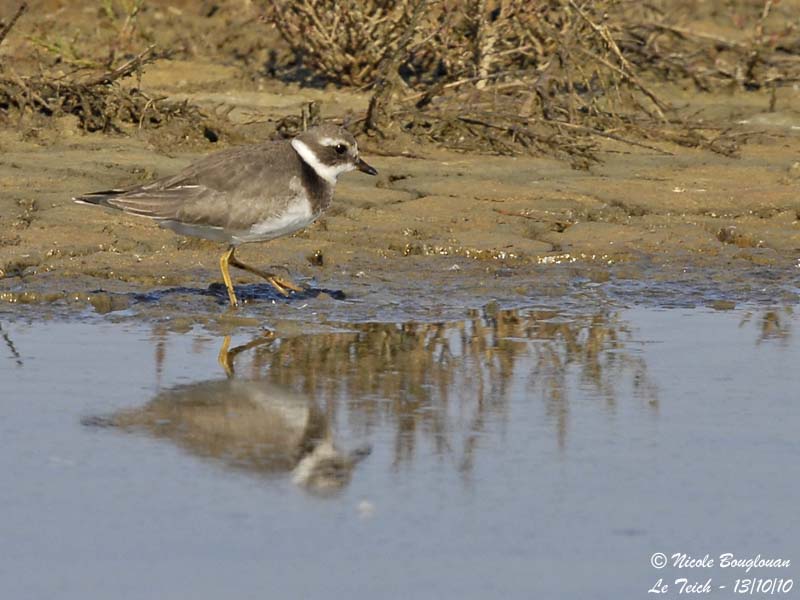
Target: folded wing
212	191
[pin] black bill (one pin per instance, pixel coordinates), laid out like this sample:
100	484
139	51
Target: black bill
365	168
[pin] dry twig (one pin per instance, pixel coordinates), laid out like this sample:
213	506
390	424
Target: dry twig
7	27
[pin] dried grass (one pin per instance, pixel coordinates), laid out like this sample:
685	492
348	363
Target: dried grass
93	92
344	42
767	54
551	76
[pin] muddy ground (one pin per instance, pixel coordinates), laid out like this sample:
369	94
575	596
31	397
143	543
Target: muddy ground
432	216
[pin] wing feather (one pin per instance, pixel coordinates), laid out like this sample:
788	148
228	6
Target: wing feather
226	189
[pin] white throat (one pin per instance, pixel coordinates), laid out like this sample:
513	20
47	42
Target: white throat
304	471
327	172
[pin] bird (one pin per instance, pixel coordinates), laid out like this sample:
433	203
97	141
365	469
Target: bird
248	424
252	193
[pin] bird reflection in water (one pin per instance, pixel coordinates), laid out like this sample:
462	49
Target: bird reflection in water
252	425
442	387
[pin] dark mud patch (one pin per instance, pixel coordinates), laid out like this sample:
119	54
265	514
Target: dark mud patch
104	302
247	294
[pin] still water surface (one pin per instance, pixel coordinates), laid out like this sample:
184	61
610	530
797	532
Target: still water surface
514	454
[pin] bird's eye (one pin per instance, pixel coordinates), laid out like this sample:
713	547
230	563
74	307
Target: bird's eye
340	148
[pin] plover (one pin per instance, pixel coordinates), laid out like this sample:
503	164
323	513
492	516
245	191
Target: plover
247	194
246	424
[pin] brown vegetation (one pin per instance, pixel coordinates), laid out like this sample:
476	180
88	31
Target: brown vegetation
543	76
501	76
90	90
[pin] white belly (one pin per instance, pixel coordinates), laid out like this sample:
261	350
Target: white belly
296	216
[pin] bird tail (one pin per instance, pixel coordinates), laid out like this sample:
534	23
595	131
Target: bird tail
99	198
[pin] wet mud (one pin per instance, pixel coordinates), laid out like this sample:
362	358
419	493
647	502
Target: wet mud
448	214
471	226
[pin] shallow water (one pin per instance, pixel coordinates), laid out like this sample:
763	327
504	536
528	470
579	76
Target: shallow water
523	453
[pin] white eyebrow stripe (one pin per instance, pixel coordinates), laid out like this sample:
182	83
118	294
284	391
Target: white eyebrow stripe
326	141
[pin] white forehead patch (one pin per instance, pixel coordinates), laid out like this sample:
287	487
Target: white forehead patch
326	141
327	172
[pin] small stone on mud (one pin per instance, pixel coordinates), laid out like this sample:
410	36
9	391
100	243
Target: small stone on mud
317	259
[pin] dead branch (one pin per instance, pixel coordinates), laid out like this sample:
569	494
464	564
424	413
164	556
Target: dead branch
124	69
6	28
387	68
625	69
